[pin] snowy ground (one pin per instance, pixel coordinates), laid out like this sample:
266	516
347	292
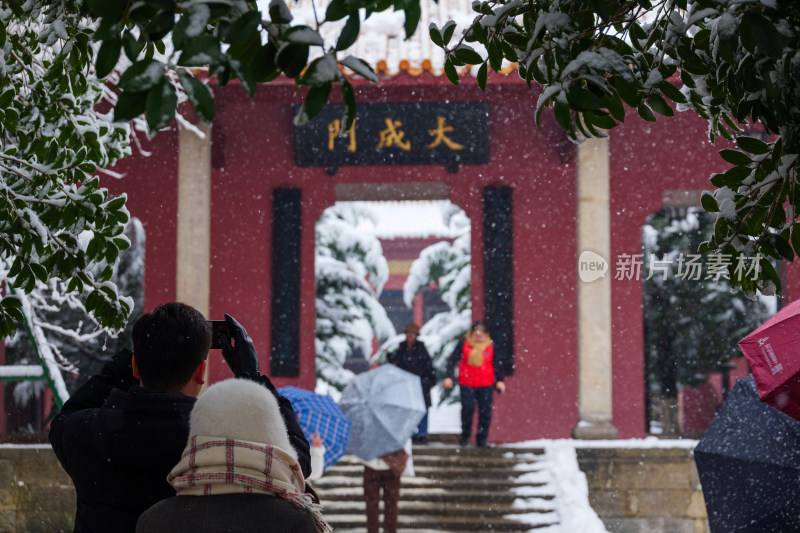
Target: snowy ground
561	473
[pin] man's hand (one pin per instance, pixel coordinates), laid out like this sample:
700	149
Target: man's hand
447	383
241	356
500	387
121	368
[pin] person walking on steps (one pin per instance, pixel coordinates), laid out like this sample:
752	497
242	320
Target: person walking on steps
412	356
479	375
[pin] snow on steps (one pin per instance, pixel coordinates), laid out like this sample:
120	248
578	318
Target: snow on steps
455	489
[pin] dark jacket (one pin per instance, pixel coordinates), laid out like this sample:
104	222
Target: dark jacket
118	442
212	514
418	362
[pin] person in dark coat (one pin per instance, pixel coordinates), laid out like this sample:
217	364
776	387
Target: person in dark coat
479	375
383	475
238	472
412	356
121	433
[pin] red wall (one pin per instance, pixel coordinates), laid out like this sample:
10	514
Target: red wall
151	184
255	137
646	159
259	155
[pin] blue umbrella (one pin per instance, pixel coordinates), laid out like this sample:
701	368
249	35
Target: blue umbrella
385	406
317	413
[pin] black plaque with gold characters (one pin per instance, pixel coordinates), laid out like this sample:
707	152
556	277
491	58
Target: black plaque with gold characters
430	133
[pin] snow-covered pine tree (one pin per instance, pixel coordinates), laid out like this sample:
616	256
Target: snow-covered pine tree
691	326
447	265
77	342
351	271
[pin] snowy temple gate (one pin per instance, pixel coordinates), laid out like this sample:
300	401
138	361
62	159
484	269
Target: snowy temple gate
230	222
576	348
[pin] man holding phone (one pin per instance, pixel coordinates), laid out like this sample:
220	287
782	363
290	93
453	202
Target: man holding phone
121	433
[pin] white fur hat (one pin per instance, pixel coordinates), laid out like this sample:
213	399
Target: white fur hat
240	409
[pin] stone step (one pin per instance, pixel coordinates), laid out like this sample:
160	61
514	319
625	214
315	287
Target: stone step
455	489
541	505
419	528
444	464
465	472
471	458
488	461
399	530
486	456
492	449
450	496
536	479
355	522
446	471
465	483
489	451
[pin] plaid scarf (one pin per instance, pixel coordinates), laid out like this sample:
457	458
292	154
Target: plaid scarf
212	465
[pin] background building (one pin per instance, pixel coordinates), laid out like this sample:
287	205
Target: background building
229	219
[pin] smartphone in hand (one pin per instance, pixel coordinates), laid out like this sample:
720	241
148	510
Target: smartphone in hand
217	327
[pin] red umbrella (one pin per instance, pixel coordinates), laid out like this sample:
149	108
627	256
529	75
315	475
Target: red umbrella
773	351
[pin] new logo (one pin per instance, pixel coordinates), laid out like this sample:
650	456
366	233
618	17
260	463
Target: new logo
591	266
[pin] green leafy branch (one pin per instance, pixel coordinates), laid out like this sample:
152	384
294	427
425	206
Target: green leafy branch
228	40
731	63
52	142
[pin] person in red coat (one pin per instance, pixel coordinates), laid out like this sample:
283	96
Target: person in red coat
478	377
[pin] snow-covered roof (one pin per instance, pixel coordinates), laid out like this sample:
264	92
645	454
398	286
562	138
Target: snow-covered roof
381	41
412	220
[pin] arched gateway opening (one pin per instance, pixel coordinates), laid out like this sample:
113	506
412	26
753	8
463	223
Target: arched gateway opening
692	323
387	255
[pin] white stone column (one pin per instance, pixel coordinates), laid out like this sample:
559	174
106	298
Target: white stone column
594	297
194	217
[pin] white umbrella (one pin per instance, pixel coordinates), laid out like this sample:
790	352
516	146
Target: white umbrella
384	406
